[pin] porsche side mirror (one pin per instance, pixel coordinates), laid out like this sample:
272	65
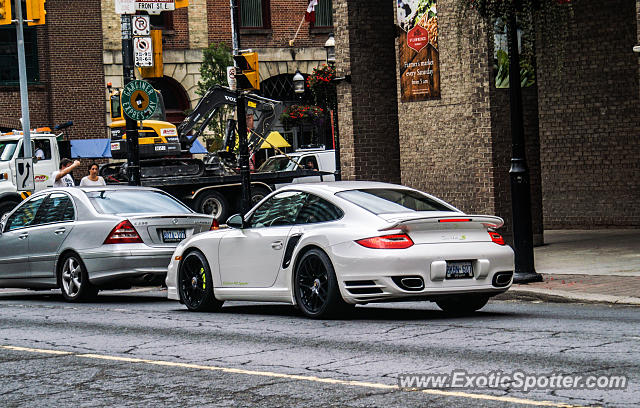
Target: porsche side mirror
235	221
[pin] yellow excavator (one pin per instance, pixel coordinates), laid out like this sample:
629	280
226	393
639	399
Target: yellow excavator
165	148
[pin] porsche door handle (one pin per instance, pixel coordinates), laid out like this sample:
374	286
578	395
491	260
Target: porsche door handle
23	236
277	245
59	231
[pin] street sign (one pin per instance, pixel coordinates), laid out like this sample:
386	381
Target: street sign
24	175
141	25
139	100
231	78
143	51
155	6
125	7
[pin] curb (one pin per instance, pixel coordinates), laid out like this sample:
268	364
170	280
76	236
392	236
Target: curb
559	296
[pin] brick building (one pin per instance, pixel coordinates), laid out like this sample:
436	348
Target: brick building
582	119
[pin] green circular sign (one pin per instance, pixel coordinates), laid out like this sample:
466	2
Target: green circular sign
139	100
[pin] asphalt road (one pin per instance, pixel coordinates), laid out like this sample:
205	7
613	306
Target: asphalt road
139	349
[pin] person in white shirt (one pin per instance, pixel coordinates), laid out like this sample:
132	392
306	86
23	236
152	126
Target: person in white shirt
92	179
62	177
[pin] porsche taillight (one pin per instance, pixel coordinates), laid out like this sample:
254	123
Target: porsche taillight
214	225
395	241
497	238
123	233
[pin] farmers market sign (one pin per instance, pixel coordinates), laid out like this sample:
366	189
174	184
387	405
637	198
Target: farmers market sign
419	57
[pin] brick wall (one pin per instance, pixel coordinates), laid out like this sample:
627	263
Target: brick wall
590	118
178	38
446	144
367	106
70	62
285	19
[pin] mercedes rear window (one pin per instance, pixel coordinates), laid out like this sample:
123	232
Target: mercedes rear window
389	201
135	201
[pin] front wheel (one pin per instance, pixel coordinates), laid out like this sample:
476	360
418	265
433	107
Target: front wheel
195	284
463	304
74	280
316	287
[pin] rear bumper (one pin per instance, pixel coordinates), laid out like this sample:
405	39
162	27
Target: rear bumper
104	266
373	275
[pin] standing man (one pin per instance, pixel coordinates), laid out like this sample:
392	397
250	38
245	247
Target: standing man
62	178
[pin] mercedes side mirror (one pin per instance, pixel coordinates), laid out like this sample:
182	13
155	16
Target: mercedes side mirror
235	221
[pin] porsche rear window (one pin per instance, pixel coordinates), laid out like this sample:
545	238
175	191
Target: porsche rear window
135	201
386	201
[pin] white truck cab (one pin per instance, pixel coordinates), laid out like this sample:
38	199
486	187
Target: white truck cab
44	145
321	160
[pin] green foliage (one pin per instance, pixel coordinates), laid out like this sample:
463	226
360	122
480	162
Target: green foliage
321	84
527	75
295	115
216	59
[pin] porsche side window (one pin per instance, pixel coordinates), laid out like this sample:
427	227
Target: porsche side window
281	209
24	216
317	209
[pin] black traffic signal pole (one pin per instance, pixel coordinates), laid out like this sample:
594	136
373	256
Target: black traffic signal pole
241	117
133	148
519	173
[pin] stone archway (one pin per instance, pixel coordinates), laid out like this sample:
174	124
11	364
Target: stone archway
176	99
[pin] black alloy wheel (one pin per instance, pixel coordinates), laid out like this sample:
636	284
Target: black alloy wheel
463	304
195	284
316	287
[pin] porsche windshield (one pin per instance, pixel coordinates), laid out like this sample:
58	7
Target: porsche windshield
7	149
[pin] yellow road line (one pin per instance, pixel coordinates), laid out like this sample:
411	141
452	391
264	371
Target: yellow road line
487	397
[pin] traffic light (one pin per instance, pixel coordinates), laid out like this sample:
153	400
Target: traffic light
5	12
35	12
247	73
181	3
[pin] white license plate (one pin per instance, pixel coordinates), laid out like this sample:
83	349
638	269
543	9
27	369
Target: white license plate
174	235
160	148
459	270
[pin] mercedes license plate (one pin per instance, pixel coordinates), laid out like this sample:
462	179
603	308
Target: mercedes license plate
459	270
173	235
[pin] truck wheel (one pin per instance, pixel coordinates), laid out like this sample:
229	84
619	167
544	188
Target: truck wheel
213	203
6	207
258	193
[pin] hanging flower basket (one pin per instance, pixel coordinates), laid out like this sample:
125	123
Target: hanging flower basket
321	85
298	114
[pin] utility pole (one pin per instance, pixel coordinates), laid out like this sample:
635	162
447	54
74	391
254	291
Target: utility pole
128	75
24	92
241	116
519	173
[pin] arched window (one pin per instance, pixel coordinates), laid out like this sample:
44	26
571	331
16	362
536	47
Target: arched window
176	99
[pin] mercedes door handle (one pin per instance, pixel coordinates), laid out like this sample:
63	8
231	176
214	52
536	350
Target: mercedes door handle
59	231
276	245
23	236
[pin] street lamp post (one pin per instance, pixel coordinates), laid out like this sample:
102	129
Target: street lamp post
519	173
330	48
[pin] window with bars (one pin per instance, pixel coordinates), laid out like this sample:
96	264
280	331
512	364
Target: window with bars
324	14
254	14
9	55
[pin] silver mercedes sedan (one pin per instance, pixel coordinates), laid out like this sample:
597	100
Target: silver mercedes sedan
83	240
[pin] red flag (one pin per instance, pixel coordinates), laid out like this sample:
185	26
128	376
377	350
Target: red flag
310	15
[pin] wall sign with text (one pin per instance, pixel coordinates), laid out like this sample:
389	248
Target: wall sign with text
419	57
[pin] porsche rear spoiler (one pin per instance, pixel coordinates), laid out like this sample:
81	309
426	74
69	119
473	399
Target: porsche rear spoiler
488	221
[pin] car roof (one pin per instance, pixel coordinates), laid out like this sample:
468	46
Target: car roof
333	187
303	153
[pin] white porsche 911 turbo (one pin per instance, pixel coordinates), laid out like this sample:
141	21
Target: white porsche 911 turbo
327	246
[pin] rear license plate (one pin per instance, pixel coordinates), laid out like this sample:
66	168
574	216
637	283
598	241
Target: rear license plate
173	235
459	270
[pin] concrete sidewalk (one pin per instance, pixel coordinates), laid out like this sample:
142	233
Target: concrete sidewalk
600	266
